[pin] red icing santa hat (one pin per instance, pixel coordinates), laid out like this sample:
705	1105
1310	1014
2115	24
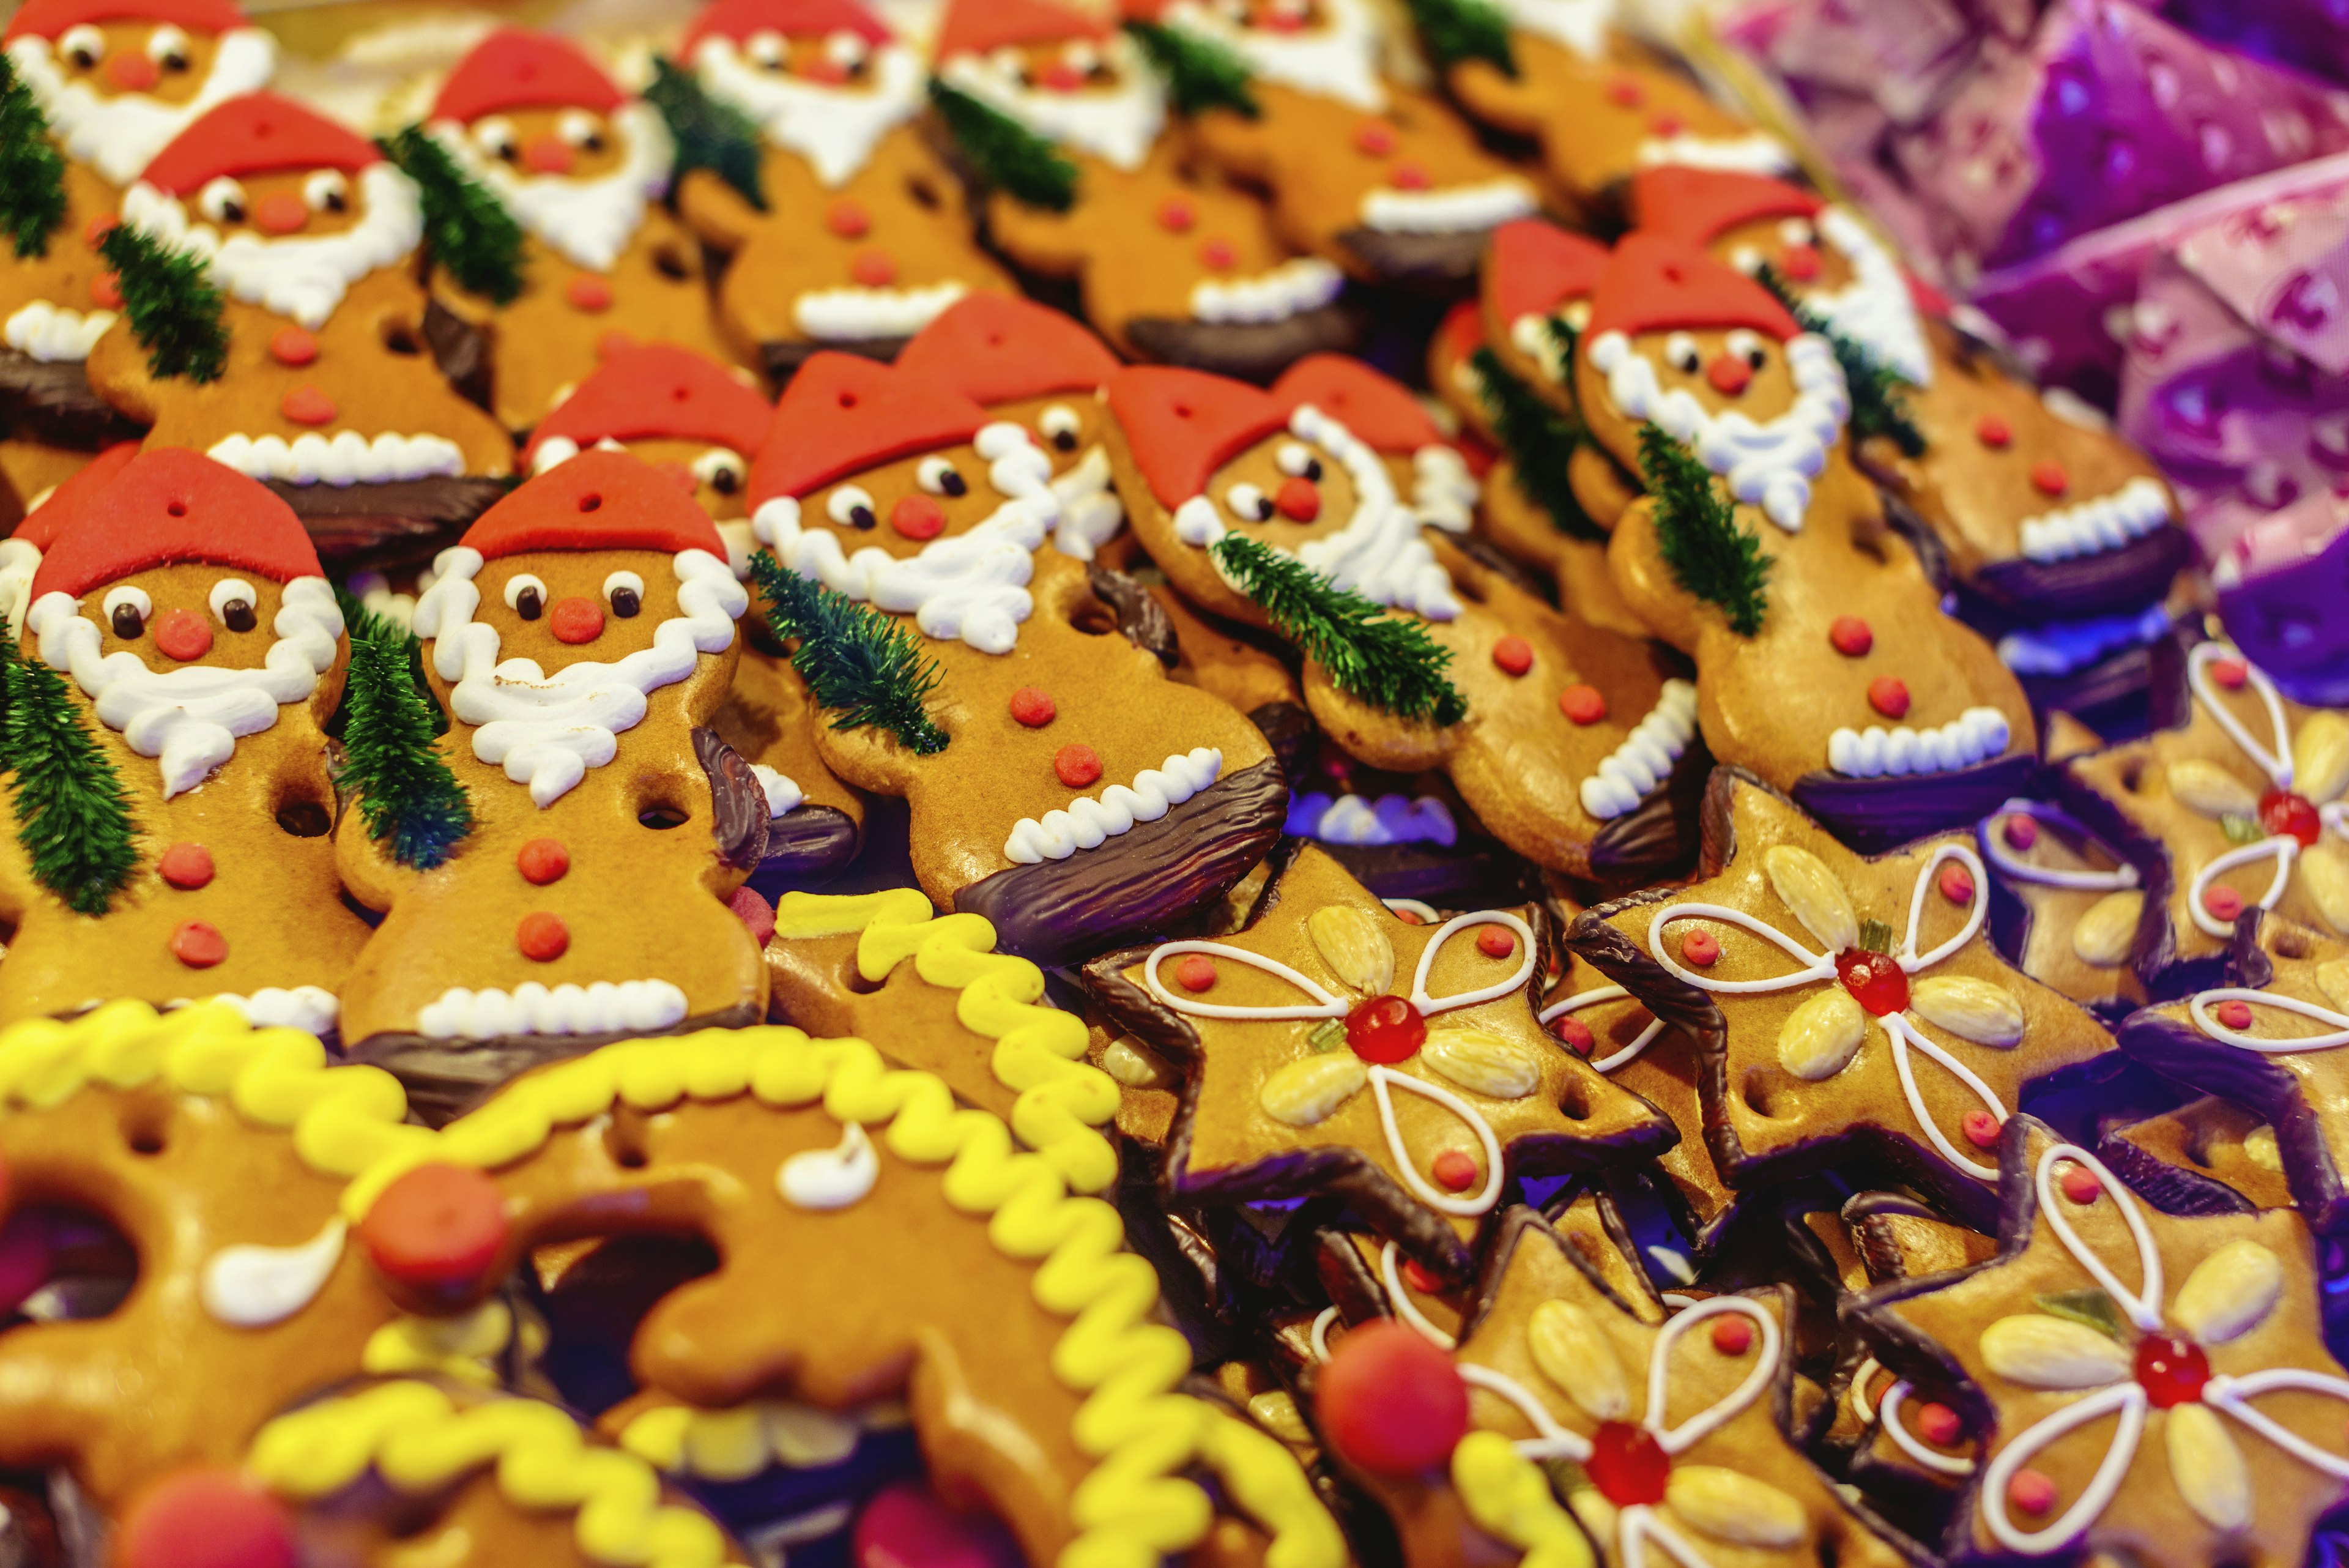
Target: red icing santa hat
738	20
658	389
513	69
982	26
844	413
260	133
169	507
1377	409
1696	205
1183	425
47	18
73	497
999	348
597	501
1655	284
1534	267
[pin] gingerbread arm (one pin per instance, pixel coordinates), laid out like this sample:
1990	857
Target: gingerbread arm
1513	103
118	372
1041	239
369	872
716	212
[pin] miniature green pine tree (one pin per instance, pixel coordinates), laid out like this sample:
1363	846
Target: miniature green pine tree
1004	153
467	229
1540	441
73	816
407	796
175	312
856	662
1199	73
1879	402
32	174
1385	659
1457	30
709	134
1696	529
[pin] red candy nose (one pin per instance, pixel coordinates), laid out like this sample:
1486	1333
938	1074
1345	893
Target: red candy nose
131	71
1064	77
437	1225
281	214
547	155
576	620
917	517
1300	500
825	70
1729	374
182	635
1800	263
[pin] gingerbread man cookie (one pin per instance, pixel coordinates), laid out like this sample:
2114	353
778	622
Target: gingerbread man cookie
180	659
581	167
581	639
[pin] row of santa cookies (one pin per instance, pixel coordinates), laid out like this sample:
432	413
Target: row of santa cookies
552	214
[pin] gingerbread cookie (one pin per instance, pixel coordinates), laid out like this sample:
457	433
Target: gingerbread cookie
1018	697
180	659
2066	904
859	236
580	167
2173	1157
586	620
1778	958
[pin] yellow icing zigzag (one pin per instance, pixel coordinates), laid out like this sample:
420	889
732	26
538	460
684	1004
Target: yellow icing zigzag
1134	1507
419	1441
1508	1498
1039	1050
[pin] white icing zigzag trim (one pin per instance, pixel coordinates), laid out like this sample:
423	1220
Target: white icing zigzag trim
1290	289
603	1008
1390	819
845	313
309	1008
349	458
1087	823
2094	526
1646	756
55	335
1442	489
1459	210
1979	734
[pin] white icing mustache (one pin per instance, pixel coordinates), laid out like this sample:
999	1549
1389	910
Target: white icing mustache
120	135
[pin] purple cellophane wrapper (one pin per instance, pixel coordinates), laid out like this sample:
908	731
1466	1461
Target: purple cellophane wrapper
2312	34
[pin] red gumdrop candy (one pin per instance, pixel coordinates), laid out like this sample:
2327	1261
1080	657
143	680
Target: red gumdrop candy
1497	941
543	861
917	517
2079	1183
847	218
437	1225
204	1518
906	1526
1733	1335
183	635
2021	830
1194	971
1298	499
2288	815
199	944
1415	1275
1888	695
2031	1492
2049	479
2172	1370
585	291
1454	1170
1390	1402
575	619
292	346
1980	1127
1699	948
1957	883
2234	1013
1876	981
1385	1029
1851	636
543	938
1583	704
874	268
307	405
1992	430
1628	1465
2222	901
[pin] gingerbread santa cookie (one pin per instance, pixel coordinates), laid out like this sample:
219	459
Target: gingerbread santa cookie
101	87
1060	785
859	234
321	385
169	765
1381	180
580	640
580	167
1170	267
1824	663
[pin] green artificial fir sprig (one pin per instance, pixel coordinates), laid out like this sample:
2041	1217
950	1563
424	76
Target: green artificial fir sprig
1387	660
409	798
176	314
73	816
1005	154
363	622
1200	73
467	229
710	134
856	662
1696	530
1457	30
1879	399
32	172
1539	441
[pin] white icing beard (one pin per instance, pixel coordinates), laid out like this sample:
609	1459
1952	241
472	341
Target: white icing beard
1581	25
119	135
1767	465
836	129
1379	552
191	717
1120	127
301	277
1090	513
1876	309
588	222
971	585
546	731
19	561
1337	59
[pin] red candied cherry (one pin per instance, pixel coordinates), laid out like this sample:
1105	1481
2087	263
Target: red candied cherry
543	938
2031	1492
1888	695
106	291
587	292
2223	902
1574	1034
437	1227
1374	138
1980	1127
1454	1170
874	268
2231	673
2079	1183
1176	215
1938	1423
1077	765
1497	941
917	517
2048	478
575	619
1851	636
2021	830
1298	499
1876	981
1699	948
307	405
186	866
1583	704
1390	1402
2172	1371
1733	1334
2234	1013
292	345
1957	883
1033	706
1415	1275
847	218
203	1517
183	635
1628	1465
1194	971
199	944
1992	430
1513	655
2288	815
757	915
1385	1029
543	861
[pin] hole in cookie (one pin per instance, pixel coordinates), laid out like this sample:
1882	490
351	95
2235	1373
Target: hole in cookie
2290	943
1830	1551
625	1138
671	264
1770	1092
399	339
1094	619
1574	1103
594	1295
89	1265
2133	776
663	817
924	193
305	818
145	1124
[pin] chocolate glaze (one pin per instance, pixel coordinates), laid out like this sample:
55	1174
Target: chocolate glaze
1060	911
402	523
1288	728
739	821
2114	696
461	349
2172	1189
1139	616
1476	874
783	357
52	401
2106	583
1658	837
1441	264
806	847
1246	351
1873	816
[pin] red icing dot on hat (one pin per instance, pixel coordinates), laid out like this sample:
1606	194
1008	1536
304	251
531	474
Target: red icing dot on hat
1851	636
1625	90
281	214
1574	1034
1938	1423
2231	673
1888	695
1389	1401
1495	941
2223	902
1699	948
543	938
1077	765
906	1526
183	635
2020	830
1980	1129
435	1226
917	517
1415	1275
543	861
1298	499
874	268
1583	704
2048	477
1219	255
1514	654
1957	883
199	944
203	1517
1992	430
1408	177
106	291
186	866
1453	1170
2234	1015
2029	1491
1177	215
1733	1334
2079	1183
1374	138
1800	263
1194	971
847	218
1033	706
575	619
308	404
585	291
292	346
757	915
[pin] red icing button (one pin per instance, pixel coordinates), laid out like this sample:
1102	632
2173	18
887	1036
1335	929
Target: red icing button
1980	1129
2020	830
1574	1034
543	861
2288	815
292	346
1938	1423
1194	971
203	1517
906	1526
1800	263
2223	902
1729	374
186	866
2172	1370
1298	499
1385	1029
1957	883
1219	255
437	1225
2048	478
199	944
132	70
1583	704
1876	981
575	619
1374	138
1416	1276
1453	1170
1077	765
847	218
1699	948
1628	92
2079	1183
2031	1492
1888	695
543	938
2234	1013
183	635
1851	636
308	404
1993	431
1733	1334
1033	706
1667	125
874	268
1390	1402
1408	177
1514	654
585	291
917	517
283	213
106	291
756	914
1176	215
1495	941
1628	1465
2231	673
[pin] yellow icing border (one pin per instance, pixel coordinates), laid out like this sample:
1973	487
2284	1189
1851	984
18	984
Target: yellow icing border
1039	1052
1507	1497
418	1440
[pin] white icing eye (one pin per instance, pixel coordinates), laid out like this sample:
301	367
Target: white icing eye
766	48
624	592
1745	259
1298	461
851	507
168	47
233	599
1061	426
938	476
581	130
221	200
846	48
1248	504
126	610
495	135
1747	346
84	44
722	469
326	191
1081	54
525	596
1798	232
1680	352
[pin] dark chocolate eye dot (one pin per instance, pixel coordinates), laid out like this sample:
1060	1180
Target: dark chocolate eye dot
237	615
231	211
175	61
1688	362
528	604
953	483
1757	358
1264	509
1313	471
625	603
127	623
1065	440
83	59
592	142
726	481
863	517
337	201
